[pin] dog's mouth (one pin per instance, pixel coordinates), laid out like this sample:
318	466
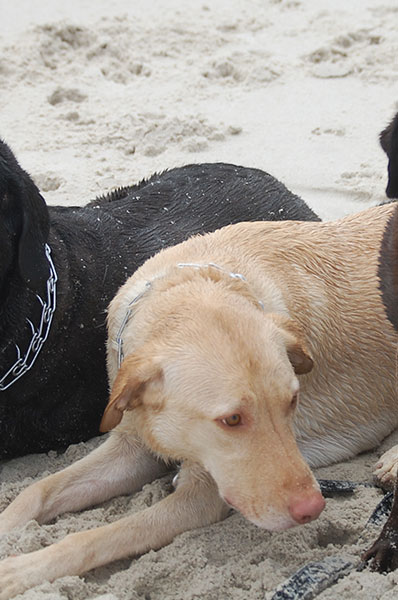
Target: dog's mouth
273	521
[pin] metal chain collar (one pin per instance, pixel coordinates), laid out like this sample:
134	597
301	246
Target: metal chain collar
148	285
39	335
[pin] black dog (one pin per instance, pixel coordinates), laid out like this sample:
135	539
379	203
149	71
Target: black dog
53	384
389	143
384	552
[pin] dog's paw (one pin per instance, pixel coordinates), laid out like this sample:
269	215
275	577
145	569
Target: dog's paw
383	554
386	469
12	577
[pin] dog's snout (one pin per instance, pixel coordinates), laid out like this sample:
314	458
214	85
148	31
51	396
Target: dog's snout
306	507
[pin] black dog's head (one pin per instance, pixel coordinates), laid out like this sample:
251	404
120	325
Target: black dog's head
24	223
389	143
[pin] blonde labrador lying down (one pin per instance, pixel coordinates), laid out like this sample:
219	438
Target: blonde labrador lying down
213	337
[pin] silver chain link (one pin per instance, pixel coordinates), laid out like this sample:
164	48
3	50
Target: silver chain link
39	335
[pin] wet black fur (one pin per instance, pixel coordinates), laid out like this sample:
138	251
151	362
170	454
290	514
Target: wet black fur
388	269
95	248
389	143
383	554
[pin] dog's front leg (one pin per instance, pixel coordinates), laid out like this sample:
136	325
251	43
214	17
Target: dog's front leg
121	465
383	554
195	503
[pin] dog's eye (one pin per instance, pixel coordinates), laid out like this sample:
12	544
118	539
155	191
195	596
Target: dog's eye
293	401
233	420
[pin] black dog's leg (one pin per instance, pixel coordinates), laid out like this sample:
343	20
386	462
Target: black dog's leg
384	551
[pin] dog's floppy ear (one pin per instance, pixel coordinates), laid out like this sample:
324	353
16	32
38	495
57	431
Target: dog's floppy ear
295	345
25	216
135	373
300	359
33	264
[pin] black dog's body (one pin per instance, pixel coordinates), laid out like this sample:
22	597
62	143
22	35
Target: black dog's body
94	249
383	554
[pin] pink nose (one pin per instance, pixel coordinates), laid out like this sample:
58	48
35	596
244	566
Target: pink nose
306	508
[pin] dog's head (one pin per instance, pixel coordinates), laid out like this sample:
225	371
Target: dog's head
221	389
24	223
389	143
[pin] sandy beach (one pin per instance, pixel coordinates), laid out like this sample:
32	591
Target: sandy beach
96	95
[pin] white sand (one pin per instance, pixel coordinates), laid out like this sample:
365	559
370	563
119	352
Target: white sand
100	94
